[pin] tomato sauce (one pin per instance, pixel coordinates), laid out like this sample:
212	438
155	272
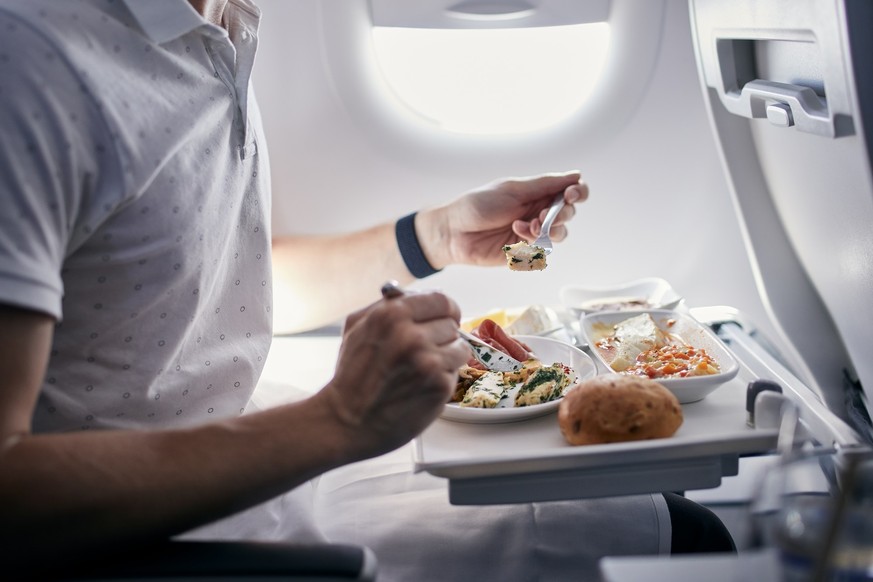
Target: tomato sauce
673	361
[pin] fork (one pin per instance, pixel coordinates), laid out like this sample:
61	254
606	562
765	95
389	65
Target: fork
487	355
544	241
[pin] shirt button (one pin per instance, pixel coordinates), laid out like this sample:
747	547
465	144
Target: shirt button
245	35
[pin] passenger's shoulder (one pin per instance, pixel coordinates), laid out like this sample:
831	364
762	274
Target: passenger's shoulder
76	29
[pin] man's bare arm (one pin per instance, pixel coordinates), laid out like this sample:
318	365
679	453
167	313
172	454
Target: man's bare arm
317	280
70	494
66	491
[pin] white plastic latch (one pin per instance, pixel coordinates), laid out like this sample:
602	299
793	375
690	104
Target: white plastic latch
779	114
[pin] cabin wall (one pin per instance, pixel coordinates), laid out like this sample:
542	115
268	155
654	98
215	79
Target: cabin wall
659	203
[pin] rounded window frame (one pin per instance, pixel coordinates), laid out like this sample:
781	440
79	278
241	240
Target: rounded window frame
370	103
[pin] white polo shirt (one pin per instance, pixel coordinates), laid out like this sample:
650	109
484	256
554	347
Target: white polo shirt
134	189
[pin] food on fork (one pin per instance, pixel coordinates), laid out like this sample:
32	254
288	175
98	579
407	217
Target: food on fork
522	256
614	408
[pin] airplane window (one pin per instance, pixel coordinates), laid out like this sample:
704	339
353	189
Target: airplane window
493	81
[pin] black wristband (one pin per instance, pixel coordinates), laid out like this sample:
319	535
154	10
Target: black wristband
410	249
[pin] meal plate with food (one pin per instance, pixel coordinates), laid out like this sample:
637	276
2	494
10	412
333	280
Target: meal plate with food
518	401
670	347
648	293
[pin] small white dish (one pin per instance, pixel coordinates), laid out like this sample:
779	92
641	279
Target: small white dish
596	326
548	351
533	320
640	294
527	320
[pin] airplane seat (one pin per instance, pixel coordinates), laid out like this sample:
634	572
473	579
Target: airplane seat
788	93
789	98
223	560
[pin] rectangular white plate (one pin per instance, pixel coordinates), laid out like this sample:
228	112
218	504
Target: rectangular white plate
685	328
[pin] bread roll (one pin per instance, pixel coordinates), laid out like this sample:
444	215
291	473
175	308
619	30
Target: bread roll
613	408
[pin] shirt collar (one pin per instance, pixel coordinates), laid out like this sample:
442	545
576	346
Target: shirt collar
165	20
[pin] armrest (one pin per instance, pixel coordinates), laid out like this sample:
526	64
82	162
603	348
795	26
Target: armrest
228	560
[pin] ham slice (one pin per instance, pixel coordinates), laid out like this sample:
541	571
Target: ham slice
495	336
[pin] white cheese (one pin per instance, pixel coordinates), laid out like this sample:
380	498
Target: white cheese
632	337
532	321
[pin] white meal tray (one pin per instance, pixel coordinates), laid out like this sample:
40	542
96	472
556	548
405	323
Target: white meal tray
530	461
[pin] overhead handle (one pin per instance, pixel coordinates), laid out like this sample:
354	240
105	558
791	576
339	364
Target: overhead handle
784	105
486	14
473	10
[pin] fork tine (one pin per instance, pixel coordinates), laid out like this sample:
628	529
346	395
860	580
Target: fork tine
544	243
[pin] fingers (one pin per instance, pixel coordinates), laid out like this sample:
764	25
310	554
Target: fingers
397	367
415	319
455	354
548	184
428	305
422	306
567	212
406	322
522	230
577	192
540	191
440	332
531	230
433	320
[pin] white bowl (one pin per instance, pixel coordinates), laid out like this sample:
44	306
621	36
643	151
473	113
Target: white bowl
654	291
596	326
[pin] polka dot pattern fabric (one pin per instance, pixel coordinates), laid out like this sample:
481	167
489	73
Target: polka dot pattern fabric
135	188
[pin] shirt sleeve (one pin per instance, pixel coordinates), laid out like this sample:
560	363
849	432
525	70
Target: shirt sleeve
51	133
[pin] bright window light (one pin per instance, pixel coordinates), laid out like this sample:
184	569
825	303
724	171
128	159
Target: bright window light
493	81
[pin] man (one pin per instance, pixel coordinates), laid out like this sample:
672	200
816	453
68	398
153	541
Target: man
135	283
